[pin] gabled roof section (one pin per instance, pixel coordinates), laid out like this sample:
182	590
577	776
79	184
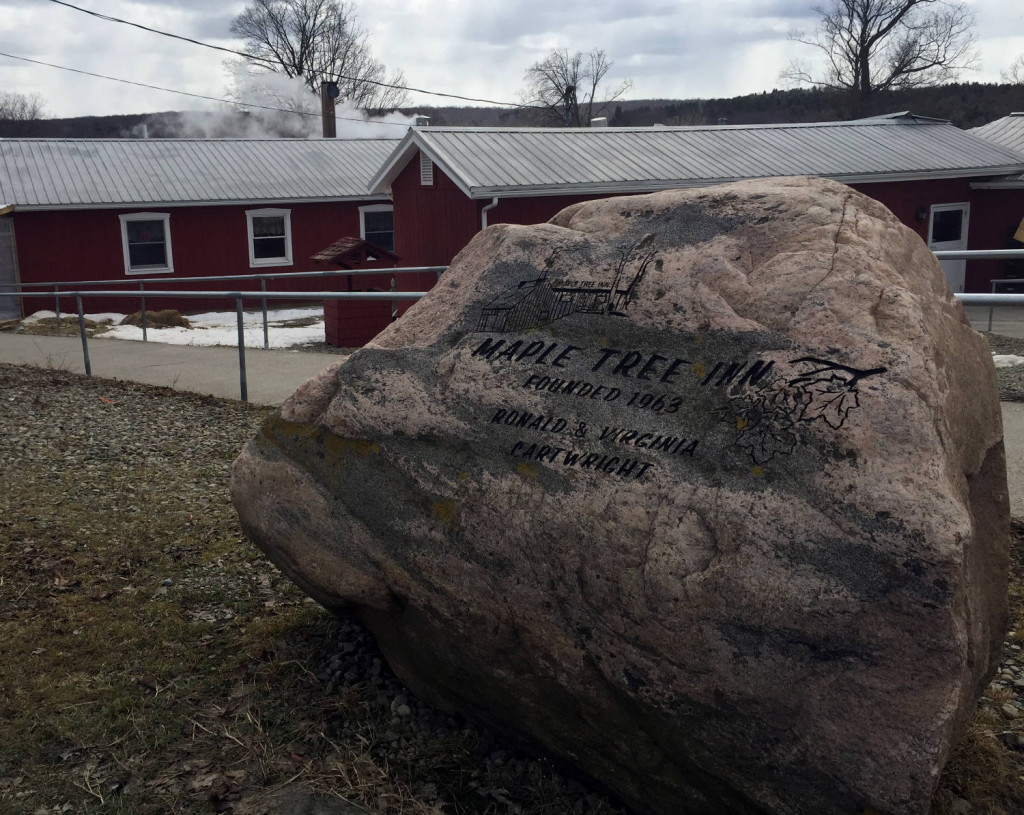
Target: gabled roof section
1007	132
99	173
488	162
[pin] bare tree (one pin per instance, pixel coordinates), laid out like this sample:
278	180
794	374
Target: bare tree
1014	75
565	86
875	45
319	41
20	107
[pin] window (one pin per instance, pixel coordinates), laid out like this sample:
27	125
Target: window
377	225
270	237
947	225
146	239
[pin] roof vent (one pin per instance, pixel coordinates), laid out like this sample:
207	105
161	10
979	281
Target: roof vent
426	170
421	120
600	121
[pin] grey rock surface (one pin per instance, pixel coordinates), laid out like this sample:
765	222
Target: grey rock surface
703	490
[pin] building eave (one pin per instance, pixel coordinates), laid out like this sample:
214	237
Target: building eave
630	187
1004	184
255	202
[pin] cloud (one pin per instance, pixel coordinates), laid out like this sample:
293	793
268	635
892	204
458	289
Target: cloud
670	48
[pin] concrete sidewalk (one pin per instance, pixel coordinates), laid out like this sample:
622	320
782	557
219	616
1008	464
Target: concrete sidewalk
274	375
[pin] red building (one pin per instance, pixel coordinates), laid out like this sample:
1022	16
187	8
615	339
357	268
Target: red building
166	209
448	183
78	210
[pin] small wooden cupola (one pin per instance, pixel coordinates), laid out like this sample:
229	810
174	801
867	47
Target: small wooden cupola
354	253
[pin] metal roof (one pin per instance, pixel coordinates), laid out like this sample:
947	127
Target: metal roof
1007	132
93	173
487	162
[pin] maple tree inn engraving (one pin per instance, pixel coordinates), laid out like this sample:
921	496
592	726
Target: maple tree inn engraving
767	400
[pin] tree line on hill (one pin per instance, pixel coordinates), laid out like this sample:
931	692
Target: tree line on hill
964	104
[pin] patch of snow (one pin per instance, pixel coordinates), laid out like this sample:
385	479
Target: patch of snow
221	335
218	318
100	317
1007	360
219	328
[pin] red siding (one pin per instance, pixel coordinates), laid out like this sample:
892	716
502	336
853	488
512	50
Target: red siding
994	216
77	245
431	223
353	324
533	210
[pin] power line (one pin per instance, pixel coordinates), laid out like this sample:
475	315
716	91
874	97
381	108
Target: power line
188	93
147	28
252	58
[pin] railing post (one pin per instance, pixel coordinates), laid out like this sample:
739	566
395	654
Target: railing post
142	292
990	310
266	336
56	306
85	343
241	352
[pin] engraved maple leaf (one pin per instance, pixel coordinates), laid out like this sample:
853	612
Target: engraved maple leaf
829	391
764	422
766	440
830	399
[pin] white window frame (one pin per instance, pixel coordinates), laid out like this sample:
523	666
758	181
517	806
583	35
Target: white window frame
147	216
286	260
376	208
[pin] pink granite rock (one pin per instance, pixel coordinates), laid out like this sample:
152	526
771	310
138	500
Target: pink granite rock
703	490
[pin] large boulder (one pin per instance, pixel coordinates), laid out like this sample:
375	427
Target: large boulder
702	490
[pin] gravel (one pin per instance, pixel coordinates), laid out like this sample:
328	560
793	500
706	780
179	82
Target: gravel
1011	379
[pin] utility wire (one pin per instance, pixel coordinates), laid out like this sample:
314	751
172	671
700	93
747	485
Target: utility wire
253	58
194	95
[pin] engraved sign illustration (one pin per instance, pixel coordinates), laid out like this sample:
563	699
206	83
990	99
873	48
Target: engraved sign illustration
536	303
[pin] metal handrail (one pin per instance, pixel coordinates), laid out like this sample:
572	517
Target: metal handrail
985	254
979	254
254	276
238	297
262	277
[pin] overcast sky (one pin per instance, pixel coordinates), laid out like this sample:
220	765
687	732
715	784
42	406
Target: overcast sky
668	48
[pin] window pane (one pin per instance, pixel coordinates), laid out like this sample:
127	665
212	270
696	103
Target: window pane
268	227
385	240
145	231
378	222
264	248
146	254
947	225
